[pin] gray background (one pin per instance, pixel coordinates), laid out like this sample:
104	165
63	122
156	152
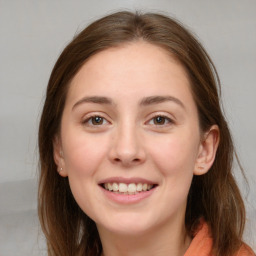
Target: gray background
32	35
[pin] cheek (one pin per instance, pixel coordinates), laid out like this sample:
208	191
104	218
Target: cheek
83	153
175	155
175	159
83	157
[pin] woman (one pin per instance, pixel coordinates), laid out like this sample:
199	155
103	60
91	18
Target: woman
135	154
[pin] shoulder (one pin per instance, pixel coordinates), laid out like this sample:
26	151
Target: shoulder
245	250
202	244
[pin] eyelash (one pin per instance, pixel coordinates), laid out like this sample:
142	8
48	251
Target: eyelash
103	121
89	120
167	120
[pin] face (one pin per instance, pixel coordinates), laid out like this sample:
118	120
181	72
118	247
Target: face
130	140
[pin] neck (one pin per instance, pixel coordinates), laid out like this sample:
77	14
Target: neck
162	241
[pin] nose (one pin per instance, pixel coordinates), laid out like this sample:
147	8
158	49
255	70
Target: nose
127	146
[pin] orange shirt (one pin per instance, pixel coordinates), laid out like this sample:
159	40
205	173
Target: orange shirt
201	245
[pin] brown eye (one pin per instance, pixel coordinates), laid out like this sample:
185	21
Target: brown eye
97	120
159	120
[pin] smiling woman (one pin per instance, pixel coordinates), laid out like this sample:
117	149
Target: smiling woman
135	154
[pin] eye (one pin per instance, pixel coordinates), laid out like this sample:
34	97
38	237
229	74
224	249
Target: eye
95	120
160	120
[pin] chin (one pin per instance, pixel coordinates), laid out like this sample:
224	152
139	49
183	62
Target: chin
127	225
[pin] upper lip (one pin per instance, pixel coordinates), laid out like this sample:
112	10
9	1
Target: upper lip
135	180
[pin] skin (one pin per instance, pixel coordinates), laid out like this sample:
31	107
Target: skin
128	142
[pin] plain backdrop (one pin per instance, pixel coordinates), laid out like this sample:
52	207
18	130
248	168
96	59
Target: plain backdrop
32	35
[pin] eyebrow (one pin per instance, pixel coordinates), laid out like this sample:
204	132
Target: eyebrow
144	102
93	99
160	99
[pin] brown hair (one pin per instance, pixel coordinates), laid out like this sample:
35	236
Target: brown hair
214	196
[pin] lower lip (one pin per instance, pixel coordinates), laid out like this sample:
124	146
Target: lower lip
127	199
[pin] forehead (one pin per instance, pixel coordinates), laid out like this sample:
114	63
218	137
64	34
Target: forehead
138	52
138	66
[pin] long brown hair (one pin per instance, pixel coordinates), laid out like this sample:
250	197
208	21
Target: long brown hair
214	196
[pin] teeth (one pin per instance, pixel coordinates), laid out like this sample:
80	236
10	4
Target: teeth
139	187
109	187
131	188
122	187
115	187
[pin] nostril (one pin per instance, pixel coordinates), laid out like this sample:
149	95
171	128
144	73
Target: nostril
127	161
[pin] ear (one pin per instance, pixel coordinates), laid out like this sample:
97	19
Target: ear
59	156
207	151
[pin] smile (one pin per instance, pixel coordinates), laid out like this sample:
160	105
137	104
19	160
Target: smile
127	189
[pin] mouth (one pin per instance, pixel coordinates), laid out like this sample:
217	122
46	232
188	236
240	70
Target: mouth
127	188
